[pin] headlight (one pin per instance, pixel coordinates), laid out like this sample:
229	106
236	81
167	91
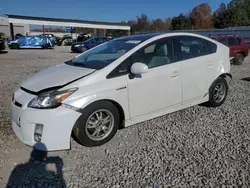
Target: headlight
50	99
77	45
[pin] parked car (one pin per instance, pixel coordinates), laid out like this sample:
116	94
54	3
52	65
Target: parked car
83	37
2	44
80	47
238	47
18	35
66	40
119	83
248	42
50	35
32	42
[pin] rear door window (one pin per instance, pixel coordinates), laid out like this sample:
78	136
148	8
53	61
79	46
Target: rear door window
224	41
232	41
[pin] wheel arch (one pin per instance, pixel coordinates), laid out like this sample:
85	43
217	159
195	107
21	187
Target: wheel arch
243	53
227	76
120	110
116	104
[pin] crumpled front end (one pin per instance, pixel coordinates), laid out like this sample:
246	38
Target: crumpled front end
45	129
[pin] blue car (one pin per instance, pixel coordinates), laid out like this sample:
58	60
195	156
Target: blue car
80	47
32	42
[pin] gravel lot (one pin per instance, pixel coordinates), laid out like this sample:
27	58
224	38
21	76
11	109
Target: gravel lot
195	147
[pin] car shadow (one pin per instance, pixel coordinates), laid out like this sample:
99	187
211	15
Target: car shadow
3	52
39	171
246	79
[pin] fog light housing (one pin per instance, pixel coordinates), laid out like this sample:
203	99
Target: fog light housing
38	132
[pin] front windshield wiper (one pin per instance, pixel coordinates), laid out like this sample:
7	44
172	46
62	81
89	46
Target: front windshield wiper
76	63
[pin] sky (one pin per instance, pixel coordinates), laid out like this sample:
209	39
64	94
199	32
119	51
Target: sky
102	10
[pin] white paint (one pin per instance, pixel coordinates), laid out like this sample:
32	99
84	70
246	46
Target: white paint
139	68
161	90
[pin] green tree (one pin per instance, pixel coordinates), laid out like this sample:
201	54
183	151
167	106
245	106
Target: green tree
237	13
143	23
181	22
157	25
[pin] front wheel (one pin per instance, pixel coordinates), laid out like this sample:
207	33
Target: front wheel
218	92
84	49
98	124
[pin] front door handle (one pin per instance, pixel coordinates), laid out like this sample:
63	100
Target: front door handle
175	74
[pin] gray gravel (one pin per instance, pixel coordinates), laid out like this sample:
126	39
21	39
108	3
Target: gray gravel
195	147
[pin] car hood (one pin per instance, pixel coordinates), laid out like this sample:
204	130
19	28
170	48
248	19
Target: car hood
56	76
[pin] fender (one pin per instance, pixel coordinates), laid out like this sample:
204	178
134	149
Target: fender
227	76
119	98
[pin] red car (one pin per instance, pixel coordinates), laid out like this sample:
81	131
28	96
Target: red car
239	49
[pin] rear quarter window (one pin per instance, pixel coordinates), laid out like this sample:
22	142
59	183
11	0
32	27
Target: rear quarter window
223	41
211	47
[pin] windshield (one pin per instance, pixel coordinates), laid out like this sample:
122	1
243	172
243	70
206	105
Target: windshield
104	54
88	40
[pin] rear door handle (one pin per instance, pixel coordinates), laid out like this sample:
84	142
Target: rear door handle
175	74
210	64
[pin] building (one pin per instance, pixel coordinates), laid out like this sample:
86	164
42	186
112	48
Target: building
13	24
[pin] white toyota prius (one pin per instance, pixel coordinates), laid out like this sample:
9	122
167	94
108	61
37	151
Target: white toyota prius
117	84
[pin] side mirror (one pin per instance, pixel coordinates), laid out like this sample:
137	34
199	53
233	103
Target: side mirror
139	68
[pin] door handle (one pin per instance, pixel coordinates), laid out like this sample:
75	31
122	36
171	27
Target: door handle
175	74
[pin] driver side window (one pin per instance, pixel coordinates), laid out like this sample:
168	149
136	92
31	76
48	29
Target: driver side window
158	53
155	54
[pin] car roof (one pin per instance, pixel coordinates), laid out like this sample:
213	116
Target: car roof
144	37
141	37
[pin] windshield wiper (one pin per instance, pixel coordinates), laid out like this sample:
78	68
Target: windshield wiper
78	64
75	63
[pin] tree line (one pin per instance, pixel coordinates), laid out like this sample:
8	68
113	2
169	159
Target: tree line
235	13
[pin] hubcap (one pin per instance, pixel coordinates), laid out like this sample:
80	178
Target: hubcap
240	60
219	92
99	124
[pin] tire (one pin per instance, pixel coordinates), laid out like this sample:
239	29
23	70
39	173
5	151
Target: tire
239	59
85	133
14	46
218	92
44	46
84	49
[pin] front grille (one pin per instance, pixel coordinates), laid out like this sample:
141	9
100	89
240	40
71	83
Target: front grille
18	104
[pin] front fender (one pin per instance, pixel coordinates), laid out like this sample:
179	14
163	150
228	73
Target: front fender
118	96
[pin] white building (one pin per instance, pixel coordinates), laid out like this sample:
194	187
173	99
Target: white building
13	24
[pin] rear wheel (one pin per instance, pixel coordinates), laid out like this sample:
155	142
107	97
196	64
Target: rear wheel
218	92
239	59
98	124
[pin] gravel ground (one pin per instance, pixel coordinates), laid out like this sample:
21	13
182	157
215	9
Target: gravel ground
195	147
